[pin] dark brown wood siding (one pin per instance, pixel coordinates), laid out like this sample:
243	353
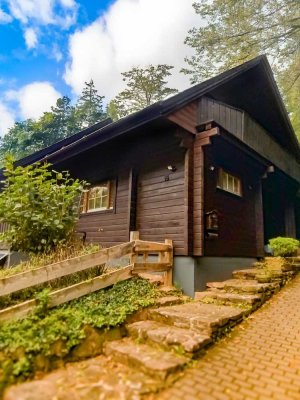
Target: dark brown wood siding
160	201
245	128
238	217
156	207
109	227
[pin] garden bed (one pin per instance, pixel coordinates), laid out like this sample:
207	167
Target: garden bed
48	338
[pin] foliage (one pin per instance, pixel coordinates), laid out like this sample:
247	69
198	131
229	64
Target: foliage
63	120
89	108
39	205
21	341
231	32
283	246
145	86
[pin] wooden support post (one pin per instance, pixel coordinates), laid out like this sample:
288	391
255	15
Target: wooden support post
168	276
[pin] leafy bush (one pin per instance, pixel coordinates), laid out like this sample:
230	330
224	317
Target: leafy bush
40	206
283	246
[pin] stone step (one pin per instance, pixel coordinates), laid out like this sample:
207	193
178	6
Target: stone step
93	379
170	300
243	286
260	274
166	335
154	362
227	297
200	317
294	262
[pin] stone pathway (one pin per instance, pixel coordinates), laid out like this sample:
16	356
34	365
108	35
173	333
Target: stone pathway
259	360
157	348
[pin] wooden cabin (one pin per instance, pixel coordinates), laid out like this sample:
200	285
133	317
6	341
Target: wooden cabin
215	168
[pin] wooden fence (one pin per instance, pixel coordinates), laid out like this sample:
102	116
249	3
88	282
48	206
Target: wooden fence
141	256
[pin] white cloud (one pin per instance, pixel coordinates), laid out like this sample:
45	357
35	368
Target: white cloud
31	39
6	119
44	12
132	32
23	10
4	17
56	53
34	99
68	3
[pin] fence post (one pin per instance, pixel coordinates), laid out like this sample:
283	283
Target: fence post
168	276
134	235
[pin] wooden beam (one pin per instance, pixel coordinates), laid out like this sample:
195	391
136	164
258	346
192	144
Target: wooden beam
151	267
40	275
155	247
132	200
168	275
188	200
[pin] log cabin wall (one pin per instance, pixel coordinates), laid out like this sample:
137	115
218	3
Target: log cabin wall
161	211
239	222
109	227
149	197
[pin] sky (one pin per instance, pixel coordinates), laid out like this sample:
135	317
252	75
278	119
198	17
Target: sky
49	48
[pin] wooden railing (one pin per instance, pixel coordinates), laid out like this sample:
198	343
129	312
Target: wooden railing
143	257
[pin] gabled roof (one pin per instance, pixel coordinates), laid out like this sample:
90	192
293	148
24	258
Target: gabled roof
250	86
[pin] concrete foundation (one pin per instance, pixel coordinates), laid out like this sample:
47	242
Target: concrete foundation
192	273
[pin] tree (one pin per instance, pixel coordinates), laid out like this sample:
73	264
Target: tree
89	108
233	32
145	86
18	140
40	206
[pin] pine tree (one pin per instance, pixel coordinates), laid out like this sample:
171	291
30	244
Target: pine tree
89	108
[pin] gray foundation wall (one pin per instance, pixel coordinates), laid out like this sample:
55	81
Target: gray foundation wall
192	273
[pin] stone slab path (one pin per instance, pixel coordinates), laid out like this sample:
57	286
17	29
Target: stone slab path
259	360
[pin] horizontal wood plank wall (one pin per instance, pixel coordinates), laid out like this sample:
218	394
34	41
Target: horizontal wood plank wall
109	227
160	199
198	212
237	215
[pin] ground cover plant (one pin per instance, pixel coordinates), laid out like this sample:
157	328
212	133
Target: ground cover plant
23	340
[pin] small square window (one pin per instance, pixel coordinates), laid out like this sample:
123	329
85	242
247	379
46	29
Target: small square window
98	198
229	183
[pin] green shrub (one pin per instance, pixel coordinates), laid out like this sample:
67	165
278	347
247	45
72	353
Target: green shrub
40	206
283	246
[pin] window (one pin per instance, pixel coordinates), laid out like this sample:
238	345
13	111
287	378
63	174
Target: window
229	183
98	198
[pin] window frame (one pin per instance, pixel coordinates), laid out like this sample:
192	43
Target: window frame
84	200
236	181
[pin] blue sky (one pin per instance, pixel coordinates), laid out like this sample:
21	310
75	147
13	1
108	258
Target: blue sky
49	48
